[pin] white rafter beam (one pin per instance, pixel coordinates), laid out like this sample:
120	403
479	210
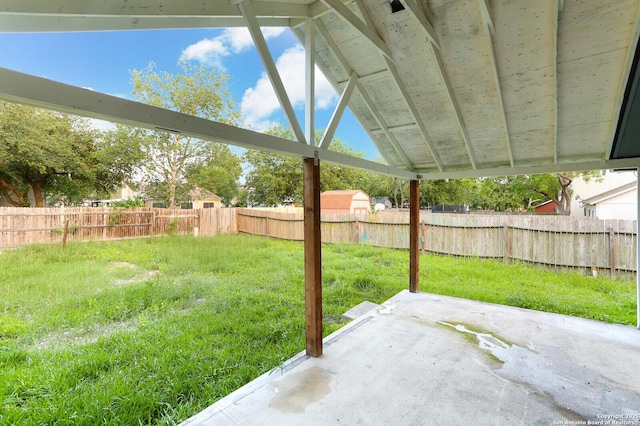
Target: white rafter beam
555	14
405	95
337	113
310	80
417	11
367	31
74	15
454	106
487	17
415	115
221	8
42	93
270	67
340	59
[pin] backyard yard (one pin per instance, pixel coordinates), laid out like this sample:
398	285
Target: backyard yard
154	330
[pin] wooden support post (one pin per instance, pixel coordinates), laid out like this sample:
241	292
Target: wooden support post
312	257
414	235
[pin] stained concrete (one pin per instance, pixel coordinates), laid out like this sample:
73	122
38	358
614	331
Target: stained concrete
422	359
359	310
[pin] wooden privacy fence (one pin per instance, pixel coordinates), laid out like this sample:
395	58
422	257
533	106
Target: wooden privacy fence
22	226
557	241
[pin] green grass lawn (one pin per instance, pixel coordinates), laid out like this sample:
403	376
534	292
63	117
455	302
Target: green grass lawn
154	330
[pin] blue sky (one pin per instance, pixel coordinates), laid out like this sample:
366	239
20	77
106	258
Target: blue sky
103	61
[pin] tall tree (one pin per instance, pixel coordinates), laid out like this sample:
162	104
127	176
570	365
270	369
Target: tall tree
218	172
58	154
275	179
198	91
557	187
447	191
502	193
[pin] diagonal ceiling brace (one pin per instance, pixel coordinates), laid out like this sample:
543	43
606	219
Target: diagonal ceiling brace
416	117
337	113
335	51
42	93
405	96
270	68
417	11
348	16
310	80
454	106
555	12
485	11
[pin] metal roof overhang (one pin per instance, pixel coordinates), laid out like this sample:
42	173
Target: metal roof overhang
445	89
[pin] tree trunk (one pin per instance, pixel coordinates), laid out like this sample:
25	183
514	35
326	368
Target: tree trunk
13	195
564	199
38	195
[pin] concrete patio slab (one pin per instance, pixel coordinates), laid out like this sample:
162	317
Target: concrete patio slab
423	359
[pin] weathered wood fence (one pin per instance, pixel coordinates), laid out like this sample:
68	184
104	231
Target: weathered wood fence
556	241
22	226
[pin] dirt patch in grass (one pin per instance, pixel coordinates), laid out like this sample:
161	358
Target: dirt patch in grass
137	278
86	335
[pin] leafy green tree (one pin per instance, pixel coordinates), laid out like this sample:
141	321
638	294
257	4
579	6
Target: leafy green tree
219	172
447	192
502	193
275	179
58	155
198	91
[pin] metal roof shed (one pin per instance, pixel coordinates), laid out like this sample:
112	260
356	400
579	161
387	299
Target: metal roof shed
344	202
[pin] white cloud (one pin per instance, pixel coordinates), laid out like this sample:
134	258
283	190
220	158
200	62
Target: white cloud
260	101
230	41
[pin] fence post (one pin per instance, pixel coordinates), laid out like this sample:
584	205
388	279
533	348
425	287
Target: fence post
424	237
65	232
612	252
357	233
507	243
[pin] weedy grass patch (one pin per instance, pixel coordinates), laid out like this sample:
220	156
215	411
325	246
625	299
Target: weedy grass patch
154	330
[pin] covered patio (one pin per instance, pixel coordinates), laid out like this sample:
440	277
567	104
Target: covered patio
423	359
445	89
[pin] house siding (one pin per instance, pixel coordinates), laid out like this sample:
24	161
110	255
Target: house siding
582	190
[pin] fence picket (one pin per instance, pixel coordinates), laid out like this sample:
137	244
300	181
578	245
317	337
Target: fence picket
555	241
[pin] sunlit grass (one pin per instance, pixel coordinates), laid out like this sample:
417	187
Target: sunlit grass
154	330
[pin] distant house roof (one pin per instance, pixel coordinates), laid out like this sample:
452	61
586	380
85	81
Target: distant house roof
543	204
203	194
610	194
339	199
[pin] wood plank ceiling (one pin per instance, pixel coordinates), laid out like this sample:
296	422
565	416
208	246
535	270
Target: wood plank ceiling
444	88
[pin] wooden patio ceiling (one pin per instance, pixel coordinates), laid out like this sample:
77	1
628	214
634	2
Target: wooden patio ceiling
444	88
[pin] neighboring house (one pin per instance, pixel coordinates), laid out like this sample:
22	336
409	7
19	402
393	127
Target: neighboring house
345	202
581	190
618	203
548	207
203	199
381	203
212	201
